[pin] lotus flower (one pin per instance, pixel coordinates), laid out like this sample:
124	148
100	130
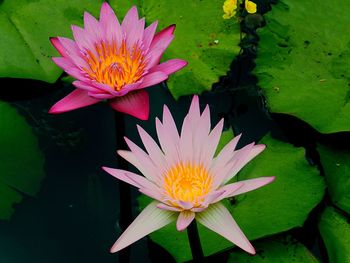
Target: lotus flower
185	179
114	62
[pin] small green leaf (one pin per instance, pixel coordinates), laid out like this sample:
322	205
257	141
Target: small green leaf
275	250
336	164
303	62
26	26
21	162
277	207
335	231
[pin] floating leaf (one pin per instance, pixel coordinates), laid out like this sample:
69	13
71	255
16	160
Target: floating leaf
208	47
21	162
336	164
303	62
282	205
277	250
335	231
25	49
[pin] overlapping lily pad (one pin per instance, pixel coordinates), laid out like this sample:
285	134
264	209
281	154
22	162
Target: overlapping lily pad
25	26
282	205
336	164
335	231
303	62
277	250
21	162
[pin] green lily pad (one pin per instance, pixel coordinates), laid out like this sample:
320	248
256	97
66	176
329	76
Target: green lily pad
277	250
336	164
335	232
277	207
21	162
25	49
202	37
303	62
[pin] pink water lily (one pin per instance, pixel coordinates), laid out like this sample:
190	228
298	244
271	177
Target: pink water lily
114	62
185	179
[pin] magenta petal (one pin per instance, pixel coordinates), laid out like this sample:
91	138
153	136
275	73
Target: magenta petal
185	218
135	103
57	44
165	33
169	66
251	184
152	79
74	100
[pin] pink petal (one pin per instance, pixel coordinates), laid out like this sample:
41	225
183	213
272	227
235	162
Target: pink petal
213	197
155	153
92	27
184	220
167	207
163	34
57	44
169	146
84	86
227	191
185	205
149	34
202	131
69	49
74	100
170	66
146	161
152	79
251	184
68	66
246	157
169	125
156	51
83	39
110	25
131	158
156	195
131	178
217	218
212	143
130	19
194	111
148	221
186	140
135	103
135	34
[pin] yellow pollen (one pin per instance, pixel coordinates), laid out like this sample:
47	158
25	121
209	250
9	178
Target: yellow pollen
187	182
115	66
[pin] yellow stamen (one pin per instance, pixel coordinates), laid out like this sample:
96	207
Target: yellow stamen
187	182
115	66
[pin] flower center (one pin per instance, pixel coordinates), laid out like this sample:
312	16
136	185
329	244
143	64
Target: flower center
115	66
187	182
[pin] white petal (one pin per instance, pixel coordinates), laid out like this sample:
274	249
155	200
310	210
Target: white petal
217	218
148	221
